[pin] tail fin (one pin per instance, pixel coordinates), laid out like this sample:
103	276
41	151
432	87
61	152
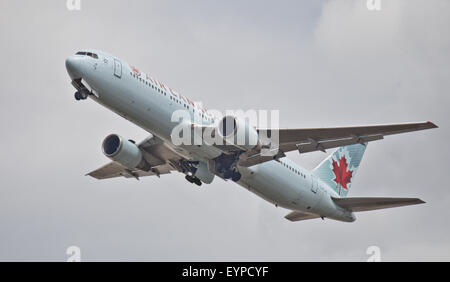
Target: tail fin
339	169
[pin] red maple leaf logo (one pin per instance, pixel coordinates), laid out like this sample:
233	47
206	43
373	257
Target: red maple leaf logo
343	176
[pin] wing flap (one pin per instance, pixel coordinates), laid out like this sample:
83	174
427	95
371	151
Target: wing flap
114	169
319	134
374	203
320	139
312	145
109	170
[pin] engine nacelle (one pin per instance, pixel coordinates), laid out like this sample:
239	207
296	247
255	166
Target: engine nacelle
203	173
123	151
238	132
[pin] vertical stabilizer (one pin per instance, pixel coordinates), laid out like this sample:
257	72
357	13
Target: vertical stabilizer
339	169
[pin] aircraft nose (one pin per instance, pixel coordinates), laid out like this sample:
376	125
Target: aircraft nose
74	67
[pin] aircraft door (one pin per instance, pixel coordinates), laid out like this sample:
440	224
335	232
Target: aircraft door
117	68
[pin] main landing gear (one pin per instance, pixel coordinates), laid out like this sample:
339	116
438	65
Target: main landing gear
193	179
226	167
233	174
81	94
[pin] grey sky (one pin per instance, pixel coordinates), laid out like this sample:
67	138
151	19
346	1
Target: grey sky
321	63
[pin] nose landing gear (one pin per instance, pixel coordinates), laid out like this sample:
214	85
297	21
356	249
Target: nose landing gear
81	94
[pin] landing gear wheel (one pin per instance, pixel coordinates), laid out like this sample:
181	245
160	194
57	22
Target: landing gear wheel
190	178
236	176
193	179
84	93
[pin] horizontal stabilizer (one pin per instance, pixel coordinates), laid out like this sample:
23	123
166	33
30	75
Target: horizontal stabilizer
298	216
374	203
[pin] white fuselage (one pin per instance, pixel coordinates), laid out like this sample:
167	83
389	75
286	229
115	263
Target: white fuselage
149	104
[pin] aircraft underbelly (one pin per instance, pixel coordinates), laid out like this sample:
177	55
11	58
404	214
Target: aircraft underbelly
269	180
274	184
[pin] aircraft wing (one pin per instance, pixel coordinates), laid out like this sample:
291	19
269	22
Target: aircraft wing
321	139
114	169
374	203
155	152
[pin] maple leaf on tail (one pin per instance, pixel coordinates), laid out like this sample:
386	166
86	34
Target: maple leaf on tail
343	176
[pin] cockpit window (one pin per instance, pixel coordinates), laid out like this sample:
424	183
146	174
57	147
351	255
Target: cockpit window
92	55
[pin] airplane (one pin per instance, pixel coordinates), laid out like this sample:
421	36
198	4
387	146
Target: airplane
150	104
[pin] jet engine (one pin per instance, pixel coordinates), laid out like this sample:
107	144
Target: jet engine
124	152
238	132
